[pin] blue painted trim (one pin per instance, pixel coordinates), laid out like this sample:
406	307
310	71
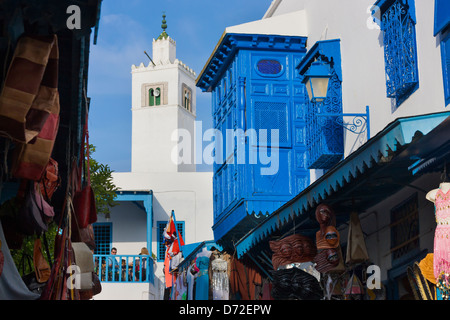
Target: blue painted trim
445	59
231	43
328	49
385	4
441	15
147	198
398	133
116	273
190	251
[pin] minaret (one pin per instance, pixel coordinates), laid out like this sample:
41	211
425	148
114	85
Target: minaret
163	101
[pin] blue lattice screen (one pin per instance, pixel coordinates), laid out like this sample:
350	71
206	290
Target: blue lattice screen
324	134
268	66
103	238
400	52
272	116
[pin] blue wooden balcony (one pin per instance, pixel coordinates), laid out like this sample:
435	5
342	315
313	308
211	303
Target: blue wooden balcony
124	268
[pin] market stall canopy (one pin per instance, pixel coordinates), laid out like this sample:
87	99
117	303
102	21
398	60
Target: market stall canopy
385	164
190	251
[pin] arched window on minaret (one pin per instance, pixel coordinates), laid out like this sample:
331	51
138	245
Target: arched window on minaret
151	97
157	94
187	99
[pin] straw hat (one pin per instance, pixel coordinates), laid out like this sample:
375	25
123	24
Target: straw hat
144	251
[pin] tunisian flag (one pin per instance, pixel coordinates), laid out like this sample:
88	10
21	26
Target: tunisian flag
173	241
173	238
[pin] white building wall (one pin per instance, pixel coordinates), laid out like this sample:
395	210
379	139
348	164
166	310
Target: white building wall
154	127
189	194
362	54
175	186
364	83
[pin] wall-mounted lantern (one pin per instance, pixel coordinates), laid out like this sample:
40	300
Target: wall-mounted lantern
316	79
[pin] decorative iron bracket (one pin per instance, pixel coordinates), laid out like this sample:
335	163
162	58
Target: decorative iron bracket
359	125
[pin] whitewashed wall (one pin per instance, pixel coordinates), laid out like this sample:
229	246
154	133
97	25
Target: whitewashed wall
362	56
189	194
363	73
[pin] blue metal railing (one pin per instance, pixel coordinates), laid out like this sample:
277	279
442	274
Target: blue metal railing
124	268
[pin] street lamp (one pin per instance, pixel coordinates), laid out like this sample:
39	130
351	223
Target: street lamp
316	80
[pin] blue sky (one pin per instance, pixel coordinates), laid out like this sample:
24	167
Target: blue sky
127	29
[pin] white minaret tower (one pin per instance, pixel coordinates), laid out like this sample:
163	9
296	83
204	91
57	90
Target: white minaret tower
163	109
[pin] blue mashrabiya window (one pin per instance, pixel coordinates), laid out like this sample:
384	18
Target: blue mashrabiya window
398	22
442	31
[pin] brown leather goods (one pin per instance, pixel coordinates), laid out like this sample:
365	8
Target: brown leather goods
34	213
31	159
291	249
295	284
84	200
326	260
325	215
327	240
50	179
2	259
356	245
85	235
41	266
329	261
29	94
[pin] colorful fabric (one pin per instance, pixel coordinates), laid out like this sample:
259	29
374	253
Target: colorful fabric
441	239
173	241
243	280
202	280
426	267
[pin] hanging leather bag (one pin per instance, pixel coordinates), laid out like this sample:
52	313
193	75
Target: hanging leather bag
41	266
356	245
30	88
32	218
50	180
2	259
84	199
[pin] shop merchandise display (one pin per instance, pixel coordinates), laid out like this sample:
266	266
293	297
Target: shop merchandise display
295	284
292	249
356	245
219	275
441	262
329	253
294	277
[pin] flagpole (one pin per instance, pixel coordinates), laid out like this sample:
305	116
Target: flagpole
176	228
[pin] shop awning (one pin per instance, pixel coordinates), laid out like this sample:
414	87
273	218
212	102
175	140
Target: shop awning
190	251
379	168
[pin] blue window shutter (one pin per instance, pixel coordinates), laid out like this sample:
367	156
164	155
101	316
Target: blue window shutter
103	237
445	50
400	48
441	15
